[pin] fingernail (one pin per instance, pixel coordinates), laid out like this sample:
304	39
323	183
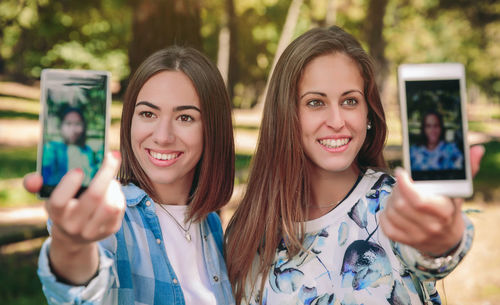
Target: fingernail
78	170
399	171
481	147
116	154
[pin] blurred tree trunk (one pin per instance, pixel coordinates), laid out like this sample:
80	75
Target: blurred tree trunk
227	55
285	38
331	13
160	23
373	36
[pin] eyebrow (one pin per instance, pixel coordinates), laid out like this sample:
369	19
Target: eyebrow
176	109
324	94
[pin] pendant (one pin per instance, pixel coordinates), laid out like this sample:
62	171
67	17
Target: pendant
187	236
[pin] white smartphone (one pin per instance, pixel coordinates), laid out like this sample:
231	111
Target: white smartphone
74	122
434	126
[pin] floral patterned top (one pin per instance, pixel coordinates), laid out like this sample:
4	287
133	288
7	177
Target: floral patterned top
444	157
347	259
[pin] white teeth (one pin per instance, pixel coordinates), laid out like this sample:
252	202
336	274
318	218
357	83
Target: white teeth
161	156
334	143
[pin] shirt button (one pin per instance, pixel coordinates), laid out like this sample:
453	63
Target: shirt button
216	278
205	237
175	281
158	241
148	203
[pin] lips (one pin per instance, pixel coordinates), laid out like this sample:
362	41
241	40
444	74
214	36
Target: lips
334	143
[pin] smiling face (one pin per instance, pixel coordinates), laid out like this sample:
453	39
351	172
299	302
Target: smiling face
72	127
432	129
167	129
332	113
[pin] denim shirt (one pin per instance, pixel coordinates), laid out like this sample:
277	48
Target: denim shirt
133	264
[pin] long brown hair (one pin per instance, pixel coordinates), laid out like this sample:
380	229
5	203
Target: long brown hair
279	187
214	174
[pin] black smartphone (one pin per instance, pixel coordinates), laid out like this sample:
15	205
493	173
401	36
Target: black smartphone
74	123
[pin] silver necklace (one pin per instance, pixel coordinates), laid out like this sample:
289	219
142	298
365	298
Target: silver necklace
187	235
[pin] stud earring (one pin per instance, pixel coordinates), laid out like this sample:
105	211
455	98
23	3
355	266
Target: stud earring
369	126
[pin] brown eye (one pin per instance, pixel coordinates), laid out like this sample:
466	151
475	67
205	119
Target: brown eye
315	103
185	118
350	102
146	114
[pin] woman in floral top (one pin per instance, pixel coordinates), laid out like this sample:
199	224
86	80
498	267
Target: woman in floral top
321	222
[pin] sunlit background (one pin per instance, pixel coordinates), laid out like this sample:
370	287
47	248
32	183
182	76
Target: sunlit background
244	38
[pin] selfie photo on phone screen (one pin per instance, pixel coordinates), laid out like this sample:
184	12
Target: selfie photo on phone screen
74	123
434	119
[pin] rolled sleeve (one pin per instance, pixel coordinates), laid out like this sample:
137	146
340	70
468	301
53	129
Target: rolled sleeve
436	268
95	292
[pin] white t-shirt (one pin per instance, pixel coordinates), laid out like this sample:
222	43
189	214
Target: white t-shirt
186	257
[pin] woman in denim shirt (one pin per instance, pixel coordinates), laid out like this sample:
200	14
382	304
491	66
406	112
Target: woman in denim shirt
157	239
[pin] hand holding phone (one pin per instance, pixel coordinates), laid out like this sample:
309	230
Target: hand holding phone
434	125
78	223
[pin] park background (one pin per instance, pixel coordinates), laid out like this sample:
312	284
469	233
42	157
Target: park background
244	38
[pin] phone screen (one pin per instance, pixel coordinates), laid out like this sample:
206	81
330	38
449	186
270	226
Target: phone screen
435	129
74	123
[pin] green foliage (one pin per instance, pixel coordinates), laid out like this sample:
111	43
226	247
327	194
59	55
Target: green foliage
427	31
19	282
95	34
490	166
11	114
242	165
39	34
242	161
92	97
15	162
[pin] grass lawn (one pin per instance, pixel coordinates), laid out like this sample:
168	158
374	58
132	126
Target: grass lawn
18	279
16	162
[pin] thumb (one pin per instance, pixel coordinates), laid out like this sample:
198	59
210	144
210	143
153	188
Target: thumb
405	186
33	182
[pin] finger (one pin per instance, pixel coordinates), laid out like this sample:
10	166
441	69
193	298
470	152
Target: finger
392	231
400	223
33	182
99	184
398	208
92	198
407	219
404	187
476	154
435	206
107	218
65	190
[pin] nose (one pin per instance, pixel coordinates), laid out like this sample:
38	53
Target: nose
164	133
335	119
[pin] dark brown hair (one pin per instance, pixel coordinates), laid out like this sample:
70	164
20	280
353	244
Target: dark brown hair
279	187
214	174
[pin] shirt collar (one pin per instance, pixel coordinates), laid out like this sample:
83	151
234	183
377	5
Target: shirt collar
133	194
